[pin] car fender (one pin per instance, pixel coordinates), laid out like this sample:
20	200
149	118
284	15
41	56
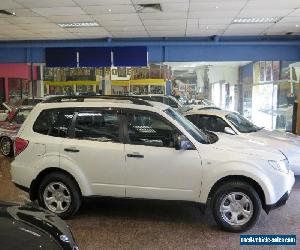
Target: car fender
48	161
213	174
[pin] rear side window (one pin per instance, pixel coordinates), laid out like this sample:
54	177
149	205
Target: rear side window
54	122
100	126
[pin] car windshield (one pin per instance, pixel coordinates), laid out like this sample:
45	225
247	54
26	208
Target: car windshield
21	116
241	123
198	135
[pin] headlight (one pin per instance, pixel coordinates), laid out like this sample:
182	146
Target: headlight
282	166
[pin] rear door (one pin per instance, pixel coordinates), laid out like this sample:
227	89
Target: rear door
95	147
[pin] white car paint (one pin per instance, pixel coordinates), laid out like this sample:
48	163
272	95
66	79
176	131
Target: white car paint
287	143
164	173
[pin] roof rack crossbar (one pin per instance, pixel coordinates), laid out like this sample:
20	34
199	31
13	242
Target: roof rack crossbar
134	100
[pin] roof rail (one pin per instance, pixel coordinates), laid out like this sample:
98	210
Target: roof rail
74	98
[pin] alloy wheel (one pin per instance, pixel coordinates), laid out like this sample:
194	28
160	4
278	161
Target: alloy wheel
57	197
236	208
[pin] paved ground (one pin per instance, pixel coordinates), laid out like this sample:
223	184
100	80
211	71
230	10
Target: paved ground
131	224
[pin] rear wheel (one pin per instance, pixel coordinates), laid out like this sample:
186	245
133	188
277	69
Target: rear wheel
59	194
236	206
6	146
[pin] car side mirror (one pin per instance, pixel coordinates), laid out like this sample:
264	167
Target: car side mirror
229	131
183	143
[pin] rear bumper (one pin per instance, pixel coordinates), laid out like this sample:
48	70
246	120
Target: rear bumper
282	201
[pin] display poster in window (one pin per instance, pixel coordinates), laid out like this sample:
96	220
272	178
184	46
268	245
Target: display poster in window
262	71
268	71
276	70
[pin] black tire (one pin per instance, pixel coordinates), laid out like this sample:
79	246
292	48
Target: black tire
70	184
235	187
4	152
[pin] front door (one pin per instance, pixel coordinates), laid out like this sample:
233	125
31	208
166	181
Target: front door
154	168
97	149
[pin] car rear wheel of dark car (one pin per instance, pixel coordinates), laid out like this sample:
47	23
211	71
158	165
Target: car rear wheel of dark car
59	193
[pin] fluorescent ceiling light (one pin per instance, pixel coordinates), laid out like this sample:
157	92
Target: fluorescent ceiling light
78	25
257	20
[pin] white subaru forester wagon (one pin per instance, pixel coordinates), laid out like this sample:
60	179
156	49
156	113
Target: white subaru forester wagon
74	147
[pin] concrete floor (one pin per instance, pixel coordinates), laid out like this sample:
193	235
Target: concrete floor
132	224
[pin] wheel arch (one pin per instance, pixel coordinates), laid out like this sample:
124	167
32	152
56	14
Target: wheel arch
240	178
34	186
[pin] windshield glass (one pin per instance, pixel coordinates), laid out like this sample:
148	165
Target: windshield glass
21	116
198	135
242	124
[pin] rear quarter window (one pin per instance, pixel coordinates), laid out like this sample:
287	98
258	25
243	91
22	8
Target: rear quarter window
54	122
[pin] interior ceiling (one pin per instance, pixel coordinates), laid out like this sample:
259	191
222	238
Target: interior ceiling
37	19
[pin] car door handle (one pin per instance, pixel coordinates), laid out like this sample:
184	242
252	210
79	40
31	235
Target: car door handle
134	155
73	150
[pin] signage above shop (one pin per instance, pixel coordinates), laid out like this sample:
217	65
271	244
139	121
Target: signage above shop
97	56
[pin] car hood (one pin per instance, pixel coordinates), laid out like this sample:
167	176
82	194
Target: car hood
30	227
246	146
285	142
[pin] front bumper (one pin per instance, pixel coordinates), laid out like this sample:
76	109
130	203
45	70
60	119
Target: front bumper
282	201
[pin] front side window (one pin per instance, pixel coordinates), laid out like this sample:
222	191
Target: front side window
100	126
212	123
149	130
196	133
242	124
54	122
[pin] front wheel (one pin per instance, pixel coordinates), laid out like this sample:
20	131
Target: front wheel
236	206
59	194
6	146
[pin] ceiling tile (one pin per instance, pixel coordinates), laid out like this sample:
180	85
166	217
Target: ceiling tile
295	13
284	27
165	22
33	26
217	5
129	34
25	20
210	21
273	4
101	2
58	36
124	28
46	3
264	12
159	1
103	9
166	33
116	17
10	4
59	11
121	23
23	13
174	7
213	14
87	30
4	21
66	19
245	32
163	15
257	26
199	33
290	19
168	27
